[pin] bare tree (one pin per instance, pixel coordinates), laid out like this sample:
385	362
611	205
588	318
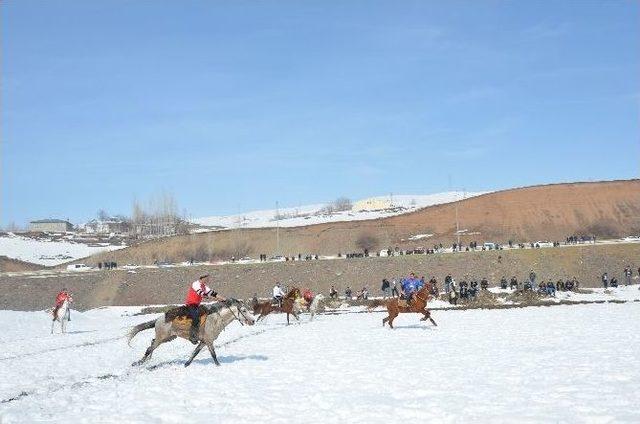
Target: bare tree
342	204
367	241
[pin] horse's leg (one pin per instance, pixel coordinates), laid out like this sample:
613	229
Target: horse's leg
287	318
392	316
53	322
154	344
63	324
428	315
384	320
194	354
213	353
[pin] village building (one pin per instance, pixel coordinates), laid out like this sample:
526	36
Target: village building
107	226
50	226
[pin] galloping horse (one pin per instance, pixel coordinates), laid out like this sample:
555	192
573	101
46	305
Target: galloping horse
62	316
418	305
315	305
289	306
176	323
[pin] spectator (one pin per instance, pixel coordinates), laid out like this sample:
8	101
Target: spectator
503	283
333	293
614	282
386	288
551	289
394	289
484	284
532	278
348	293
605	280
627	275
513	283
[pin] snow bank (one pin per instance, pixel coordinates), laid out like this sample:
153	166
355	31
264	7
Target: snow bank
47	253
559	364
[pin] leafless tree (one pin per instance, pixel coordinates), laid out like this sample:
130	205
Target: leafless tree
367	241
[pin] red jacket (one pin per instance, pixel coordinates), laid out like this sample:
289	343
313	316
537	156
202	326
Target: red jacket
61	297
196	291
308	295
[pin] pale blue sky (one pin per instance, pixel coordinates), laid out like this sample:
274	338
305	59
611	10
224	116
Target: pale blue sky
234	105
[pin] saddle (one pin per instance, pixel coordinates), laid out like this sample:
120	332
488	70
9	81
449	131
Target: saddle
181	313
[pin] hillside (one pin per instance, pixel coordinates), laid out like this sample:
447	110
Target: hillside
15	265
167	285
549	212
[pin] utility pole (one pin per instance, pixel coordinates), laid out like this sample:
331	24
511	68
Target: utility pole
277	229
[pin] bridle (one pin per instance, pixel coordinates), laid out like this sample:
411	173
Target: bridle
237	317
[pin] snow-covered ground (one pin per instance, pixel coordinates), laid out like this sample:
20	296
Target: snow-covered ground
559	364
309	214
46	252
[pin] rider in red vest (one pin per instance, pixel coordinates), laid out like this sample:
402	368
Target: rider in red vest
197	291
308	296
60	298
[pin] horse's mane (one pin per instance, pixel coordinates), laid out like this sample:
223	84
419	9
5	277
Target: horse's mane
203	309
292	293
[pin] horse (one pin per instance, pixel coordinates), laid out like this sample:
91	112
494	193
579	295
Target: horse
62	315
315	304
176	323
289	306
417	305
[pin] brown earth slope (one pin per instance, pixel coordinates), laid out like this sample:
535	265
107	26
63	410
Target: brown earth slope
169	285
549	212
14	265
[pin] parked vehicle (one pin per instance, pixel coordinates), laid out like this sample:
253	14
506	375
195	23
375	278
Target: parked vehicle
78	267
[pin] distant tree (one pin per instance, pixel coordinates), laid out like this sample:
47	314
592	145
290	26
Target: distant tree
342	204
367	241
102	215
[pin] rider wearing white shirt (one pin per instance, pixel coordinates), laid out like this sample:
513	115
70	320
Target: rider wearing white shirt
278	294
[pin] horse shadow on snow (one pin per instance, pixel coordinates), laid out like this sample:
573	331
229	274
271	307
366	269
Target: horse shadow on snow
209	361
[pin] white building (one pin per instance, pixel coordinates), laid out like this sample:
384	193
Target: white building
372	204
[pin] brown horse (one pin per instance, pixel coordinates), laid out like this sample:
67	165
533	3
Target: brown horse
396	306
262	309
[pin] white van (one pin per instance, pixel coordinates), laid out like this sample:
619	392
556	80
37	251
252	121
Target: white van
78	267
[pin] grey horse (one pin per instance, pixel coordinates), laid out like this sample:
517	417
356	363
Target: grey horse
218	317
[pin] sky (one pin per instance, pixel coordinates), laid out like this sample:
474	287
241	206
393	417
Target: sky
232	106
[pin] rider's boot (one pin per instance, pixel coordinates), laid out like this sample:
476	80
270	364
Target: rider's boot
195	327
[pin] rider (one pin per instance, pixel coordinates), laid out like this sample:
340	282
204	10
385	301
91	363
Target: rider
278	294
197	291
308	296
409	287
60	298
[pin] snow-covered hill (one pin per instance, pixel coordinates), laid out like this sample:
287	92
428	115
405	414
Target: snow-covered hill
48	252
312	214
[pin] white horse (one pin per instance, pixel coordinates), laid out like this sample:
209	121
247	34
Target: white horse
218	317
315	305
62	315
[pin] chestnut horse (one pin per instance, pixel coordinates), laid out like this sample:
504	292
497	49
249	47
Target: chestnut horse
396	306
288	306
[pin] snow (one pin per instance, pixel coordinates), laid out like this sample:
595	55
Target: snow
310	214
46	252
560	364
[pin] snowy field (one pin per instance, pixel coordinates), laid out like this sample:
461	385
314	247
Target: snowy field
306	215
49	253
541	364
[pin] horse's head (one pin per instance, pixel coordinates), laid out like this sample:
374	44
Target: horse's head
240	312
293	293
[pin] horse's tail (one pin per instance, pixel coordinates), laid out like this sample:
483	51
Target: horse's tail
138	328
